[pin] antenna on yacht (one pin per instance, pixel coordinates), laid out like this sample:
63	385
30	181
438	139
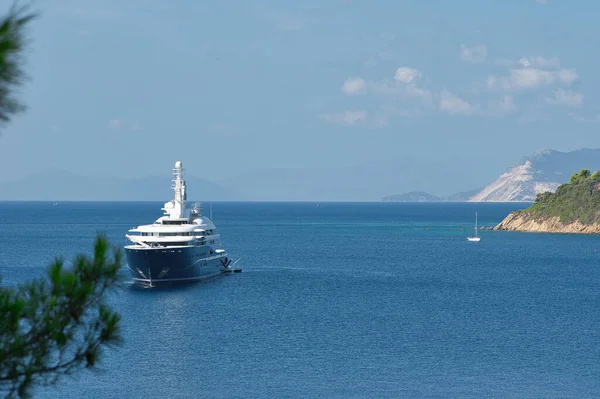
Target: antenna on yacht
177	207
210	202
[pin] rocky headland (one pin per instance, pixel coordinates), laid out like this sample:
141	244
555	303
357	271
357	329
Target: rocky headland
573	208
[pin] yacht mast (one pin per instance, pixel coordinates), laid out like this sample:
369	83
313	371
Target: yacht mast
178	209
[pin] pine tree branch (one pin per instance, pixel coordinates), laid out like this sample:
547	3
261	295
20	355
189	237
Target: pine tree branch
12	44
57	325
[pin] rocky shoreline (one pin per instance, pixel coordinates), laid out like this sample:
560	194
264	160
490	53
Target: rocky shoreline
525	222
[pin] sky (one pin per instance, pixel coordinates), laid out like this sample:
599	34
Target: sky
125	88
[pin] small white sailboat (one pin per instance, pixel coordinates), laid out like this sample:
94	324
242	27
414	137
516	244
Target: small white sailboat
476	236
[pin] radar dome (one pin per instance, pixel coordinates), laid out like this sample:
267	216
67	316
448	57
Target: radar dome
178	164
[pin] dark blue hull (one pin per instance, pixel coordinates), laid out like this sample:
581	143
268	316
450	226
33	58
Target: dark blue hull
154	266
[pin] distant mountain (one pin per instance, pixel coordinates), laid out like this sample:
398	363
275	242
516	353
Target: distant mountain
369	181
463	196
59	185
413	196
542	172
522	181
421	196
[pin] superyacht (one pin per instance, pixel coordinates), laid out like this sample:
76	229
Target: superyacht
181	246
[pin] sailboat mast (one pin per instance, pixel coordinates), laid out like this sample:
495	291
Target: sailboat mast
476	227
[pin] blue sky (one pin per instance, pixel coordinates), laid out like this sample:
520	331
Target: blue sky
127	87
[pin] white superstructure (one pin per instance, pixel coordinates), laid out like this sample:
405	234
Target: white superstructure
179	226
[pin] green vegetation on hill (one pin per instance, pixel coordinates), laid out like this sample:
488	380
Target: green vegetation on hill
577	200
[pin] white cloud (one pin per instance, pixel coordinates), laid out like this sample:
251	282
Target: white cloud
539	62
530	62
476	53
453	104
409	94
531	78
407	75
348	118
403	86
354	86
567	98
406	95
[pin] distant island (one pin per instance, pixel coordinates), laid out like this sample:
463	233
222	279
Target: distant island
413	196
573	208
422	196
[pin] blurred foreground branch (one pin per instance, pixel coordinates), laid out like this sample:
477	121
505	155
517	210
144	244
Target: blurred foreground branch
50	327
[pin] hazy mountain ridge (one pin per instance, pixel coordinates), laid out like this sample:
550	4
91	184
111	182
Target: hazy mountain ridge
543	171
413	196
360	182
60	185
421	196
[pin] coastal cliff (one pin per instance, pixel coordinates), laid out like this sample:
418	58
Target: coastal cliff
573	208
521	221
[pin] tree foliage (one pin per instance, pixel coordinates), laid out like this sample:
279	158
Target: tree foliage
583	174
12	43
577	200
54	326
50	327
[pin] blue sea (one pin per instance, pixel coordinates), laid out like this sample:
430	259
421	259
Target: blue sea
337	300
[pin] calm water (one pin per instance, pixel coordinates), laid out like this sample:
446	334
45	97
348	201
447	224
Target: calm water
339	300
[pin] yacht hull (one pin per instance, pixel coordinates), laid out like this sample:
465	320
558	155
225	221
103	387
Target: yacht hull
157	266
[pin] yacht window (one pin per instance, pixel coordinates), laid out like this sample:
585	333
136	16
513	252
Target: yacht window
175	222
